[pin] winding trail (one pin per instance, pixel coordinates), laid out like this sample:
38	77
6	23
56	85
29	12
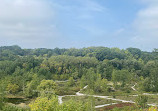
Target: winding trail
147	94
105	97
77	94
133	87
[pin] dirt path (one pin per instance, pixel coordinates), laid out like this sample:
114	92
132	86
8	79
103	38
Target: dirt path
104	97
133	87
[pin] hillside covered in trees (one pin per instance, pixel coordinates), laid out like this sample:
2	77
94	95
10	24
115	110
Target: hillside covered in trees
31	73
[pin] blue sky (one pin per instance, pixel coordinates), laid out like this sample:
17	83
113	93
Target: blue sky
79	23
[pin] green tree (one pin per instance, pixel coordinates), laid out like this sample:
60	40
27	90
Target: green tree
44	104
71	82
151	82
32	86
47	88
122	76
2	93
91	77
12	88
100	84
83	81
47	85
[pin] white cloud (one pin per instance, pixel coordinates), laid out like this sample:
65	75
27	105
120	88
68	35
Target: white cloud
146	26
24	10
35	23
27	22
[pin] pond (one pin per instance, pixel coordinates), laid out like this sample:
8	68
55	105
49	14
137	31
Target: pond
17	100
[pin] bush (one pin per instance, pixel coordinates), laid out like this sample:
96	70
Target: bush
13	108
141	101
153	109
51	104
12	88
71	82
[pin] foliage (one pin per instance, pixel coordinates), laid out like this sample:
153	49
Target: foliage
44	104
151	82
51	104
47	88
32	86
47	85
3	86
13	108
83	81
100	84
24	70
12	88
122	76
1	100
91	77
71	82
141	101
153	109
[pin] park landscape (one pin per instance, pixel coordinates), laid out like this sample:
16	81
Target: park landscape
78	55
86	79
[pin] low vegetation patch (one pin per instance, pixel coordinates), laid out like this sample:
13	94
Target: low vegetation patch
97	101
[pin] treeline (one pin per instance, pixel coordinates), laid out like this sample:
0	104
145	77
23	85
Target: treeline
100	53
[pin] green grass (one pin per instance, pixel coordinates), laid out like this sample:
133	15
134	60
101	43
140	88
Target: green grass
116	93
151	98
128	98
63	89
98	101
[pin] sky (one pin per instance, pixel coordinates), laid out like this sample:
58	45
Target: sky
79	23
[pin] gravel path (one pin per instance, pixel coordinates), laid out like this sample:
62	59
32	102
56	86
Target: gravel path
104	97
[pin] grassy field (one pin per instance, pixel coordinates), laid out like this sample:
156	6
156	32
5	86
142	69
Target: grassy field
152	99
98	101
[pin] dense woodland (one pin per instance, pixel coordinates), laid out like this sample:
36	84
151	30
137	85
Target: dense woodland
27	72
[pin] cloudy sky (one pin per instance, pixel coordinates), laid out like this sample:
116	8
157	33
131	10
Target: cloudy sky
79	23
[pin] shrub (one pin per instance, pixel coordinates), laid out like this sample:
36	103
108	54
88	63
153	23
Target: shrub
51	104
13	108
141	101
